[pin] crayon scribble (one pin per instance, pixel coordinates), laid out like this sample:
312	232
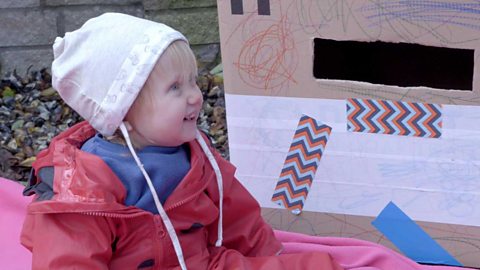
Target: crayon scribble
268	58
411	19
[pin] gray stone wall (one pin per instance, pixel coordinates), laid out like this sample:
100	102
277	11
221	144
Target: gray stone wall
29	27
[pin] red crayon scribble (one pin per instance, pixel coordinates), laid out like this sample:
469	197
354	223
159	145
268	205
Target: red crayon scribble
268	59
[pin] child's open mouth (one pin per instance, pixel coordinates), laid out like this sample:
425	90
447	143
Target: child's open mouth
191	117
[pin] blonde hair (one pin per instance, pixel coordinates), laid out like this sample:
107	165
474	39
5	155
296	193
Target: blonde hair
182	57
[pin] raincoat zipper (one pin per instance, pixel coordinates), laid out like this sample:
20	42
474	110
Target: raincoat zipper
189	198
116	215
113	215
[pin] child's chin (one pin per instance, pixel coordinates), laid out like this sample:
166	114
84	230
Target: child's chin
190	136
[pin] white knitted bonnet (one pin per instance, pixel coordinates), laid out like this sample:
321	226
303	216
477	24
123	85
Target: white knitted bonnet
100	68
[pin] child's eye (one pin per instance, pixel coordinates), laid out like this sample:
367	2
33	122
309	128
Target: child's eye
174	86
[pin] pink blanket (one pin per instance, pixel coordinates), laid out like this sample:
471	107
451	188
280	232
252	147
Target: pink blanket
353	253
12	212
349	253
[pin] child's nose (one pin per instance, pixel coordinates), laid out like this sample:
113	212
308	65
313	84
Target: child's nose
195	96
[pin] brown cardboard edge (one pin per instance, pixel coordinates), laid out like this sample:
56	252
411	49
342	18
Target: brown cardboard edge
462	242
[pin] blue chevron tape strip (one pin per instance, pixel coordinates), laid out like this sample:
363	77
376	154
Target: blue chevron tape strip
301	163
394	117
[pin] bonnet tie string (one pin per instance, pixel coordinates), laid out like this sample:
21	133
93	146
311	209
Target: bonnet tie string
161	211
219	177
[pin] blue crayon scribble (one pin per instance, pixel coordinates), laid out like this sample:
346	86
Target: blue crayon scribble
460	178
428	14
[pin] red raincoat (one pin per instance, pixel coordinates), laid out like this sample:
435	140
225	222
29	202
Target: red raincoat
83	223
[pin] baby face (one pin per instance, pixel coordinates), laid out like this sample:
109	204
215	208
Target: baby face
167	109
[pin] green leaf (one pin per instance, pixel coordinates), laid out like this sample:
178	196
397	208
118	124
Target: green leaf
8	92
217	69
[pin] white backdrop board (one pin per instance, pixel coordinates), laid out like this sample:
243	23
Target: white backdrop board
287	58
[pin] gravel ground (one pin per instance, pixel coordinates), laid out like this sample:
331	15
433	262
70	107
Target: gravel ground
32	113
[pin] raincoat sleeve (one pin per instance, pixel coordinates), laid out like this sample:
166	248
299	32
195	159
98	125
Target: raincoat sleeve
67	241
244	229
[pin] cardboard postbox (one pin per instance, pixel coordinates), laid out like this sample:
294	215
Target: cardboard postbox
337	109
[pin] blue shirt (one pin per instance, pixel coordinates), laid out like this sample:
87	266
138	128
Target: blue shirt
166	166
